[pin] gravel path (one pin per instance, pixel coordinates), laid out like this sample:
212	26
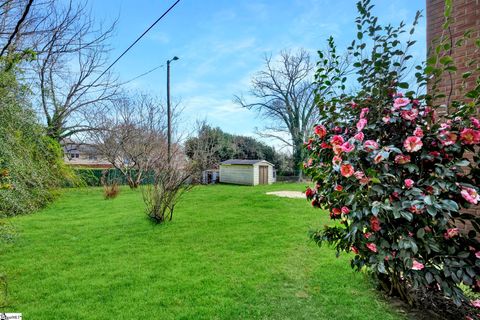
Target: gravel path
288	194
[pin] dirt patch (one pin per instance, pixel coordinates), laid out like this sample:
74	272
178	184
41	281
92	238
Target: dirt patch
288	194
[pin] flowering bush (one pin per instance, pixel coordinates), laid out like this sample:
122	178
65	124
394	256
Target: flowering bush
397	185
396	177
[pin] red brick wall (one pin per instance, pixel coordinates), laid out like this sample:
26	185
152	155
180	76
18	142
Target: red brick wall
465	16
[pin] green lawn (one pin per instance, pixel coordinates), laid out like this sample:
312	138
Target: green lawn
231	252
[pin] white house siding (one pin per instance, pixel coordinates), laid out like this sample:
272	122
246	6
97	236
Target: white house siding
237	174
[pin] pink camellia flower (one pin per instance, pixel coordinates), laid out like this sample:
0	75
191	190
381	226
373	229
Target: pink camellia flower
408	183
359	175
345	210
336	160
416	210
477	254
364	180
337	149
359	136
370	145
476	303
354	250
444	126
417	265
409	115
309	193
338	188
337	140
347	170
347	147
337	129
447	138
470	136
400	102
386	119
450	233
375	224
372	247
402	159
336	211
320	131
363	113
418	132
470	194
361	124
378	158
367	235
412	144
325	145
308	164
309	144
475	122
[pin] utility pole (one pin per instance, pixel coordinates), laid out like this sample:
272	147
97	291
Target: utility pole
169	112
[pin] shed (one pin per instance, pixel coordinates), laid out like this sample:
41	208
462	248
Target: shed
247	172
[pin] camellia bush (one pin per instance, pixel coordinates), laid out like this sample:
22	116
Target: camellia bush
394	173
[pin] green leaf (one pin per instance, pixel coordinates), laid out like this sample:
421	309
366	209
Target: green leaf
462	163
450	205
446	60
428	200
420	233
429	277
407	215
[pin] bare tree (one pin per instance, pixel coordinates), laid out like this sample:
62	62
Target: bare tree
284	93
70	57
13	16
131	136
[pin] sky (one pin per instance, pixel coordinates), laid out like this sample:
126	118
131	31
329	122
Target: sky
222	43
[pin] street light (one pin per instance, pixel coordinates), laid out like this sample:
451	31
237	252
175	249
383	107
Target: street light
169	116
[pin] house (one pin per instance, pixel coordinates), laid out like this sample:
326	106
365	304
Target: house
247	172
82	155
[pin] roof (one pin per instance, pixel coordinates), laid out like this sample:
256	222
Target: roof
244	162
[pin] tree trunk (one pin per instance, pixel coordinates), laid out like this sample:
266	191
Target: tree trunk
298	157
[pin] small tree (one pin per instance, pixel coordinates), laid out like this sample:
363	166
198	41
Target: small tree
131	136
395	175
170	183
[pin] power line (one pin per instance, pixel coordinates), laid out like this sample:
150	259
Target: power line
135	42
134	78
142	75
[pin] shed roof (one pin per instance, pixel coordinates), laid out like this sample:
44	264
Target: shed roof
244	162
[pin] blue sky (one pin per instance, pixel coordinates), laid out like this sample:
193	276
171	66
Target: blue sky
221	44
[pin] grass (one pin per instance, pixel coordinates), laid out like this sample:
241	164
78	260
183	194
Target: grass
231	252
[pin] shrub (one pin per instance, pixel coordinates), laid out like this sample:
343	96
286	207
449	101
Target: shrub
109	181
31	165
161	197
111	191
396	176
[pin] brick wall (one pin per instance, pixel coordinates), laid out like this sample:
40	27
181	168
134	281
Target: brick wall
465	16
